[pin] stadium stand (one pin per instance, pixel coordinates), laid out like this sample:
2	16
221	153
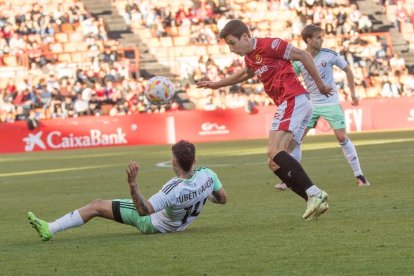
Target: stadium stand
75	58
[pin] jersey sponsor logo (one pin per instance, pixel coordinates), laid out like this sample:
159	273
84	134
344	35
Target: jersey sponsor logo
208	128
258	58
261	70
275	44
55	140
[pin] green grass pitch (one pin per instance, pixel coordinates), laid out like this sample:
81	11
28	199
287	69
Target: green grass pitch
367	231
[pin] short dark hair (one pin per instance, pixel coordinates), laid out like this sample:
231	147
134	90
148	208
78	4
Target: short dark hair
184	153
309	31
235	28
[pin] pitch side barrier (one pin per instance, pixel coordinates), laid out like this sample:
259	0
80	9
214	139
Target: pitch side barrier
196	126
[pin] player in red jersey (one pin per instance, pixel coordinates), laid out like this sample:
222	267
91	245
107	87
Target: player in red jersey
269	60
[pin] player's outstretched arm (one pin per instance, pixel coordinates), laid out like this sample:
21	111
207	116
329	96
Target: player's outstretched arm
238	77
351	84
306	59
219	196
143	207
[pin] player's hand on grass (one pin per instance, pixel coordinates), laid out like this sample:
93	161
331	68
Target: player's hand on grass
132	173
355	100
207	84
326	90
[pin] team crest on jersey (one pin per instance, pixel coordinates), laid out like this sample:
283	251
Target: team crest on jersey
258	58
275	43
323	63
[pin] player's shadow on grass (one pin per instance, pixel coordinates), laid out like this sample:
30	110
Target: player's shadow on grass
120	236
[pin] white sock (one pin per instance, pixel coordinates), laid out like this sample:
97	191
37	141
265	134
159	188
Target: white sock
297	152
312	191
70	220
351	155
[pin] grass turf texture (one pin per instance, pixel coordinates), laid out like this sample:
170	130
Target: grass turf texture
260	231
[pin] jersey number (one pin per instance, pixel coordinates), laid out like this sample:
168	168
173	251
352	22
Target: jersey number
190	211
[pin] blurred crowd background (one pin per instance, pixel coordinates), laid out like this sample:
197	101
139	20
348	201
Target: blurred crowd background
58	59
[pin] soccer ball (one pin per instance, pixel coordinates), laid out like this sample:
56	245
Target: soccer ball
159	90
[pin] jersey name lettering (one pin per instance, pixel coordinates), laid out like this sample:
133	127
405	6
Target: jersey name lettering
186	197
193	194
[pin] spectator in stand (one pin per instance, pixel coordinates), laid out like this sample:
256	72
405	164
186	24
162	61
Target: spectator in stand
95	105
130	8
56	103
46	26
102	29
389	87
401	15
409	86
21	97
46	97
354	14
297	26
341	17
204	35
39	24
68	109
17	44
412	16
21	114
80	106
364	24
109	55
7	110
397	63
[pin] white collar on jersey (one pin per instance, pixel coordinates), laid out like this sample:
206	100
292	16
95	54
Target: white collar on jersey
254	43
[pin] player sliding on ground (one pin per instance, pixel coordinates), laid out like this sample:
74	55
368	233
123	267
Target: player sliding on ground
172	209
327	108
269	59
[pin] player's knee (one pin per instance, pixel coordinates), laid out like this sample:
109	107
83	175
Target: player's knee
272	151
96	206
272	165
342	138
341	135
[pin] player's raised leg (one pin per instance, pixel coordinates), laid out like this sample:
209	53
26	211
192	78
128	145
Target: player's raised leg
97	208
296	153
41	226
288	127
292	173
322	208
351	156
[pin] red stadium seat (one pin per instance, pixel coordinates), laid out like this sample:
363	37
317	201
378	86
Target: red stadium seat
181	40
10	61
153	42
76	37
407	28
78	58
56	47
61	37
67	28
166	41
64	58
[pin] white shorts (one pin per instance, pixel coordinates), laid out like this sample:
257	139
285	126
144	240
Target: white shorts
293	115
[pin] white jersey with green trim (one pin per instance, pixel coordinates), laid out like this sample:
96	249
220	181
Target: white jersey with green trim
180	201
324	61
